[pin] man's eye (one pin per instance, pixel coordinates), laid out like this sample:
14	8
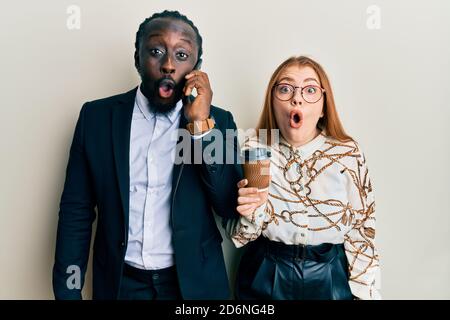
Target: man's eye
182	55
155	52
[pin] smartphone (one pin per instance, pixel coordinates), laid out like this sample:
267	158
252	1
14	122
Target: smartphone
198	65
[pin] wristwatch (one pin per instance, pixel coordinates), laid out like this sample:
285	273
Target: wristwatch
199	127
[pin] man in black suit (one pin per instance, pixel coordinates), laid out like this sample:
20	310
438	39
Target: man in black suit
156	235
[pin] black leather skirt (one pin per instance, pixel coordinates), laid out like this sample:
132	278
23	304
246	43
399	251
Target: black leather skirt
271	270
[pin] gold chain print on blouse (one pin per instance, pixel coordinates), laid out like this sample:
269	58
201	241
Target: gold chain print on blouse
319	193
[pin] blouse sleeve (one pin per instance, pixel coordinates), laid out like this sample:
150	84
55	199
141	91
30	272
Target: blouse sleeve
248	228
359	242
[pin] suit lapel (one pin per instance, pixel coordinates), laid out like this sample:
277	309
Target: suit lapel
178	168
121	127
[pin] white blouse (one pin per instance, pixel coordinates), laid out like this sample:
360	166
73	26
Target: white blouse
319	193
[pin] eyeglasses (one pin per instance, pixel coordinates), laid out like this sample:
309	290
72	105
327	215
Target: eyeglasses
285	92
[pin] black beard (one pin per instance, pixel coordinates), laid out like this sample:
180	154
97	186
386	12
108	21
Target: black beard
161	108
155	104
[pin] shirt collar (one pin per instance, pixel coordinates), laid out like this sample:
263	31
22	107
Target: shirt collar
307	149
144	105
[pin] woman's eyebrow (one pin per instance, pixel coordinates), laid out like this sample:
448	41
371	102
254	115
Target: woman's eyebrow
287	79
292	80
311	79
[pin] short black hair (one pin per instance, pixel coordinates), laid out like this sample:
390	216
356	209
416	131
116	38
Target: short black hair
172	15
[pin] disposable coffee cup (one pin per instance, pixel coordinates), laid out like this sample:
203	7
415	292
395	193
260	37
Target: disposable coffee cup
256	165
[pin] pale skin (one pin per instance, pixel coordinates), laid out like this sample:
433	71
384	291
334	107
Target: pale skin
249	199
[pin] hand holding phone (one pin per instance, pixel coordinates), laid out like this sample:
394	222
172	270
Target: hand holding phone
197	109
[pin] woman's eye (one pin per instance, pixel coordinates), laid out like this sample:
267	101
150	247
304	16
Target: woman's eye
285	89
311	90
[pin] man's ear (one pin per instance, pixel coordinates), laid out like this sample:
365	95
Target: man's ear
136	60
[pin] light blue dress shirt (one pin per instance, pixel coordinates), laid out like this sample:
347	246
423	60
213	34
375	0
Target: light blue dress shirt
152	153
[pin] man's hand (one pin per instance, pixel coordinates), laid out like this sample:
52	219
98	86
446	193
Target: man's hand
199	108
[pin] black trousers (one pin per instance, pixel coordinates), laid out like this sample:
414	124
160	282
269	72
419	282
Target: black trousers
138	284
271	270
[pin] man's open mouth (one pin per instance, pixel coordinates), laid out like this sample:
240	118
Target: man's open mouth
166	88
295	119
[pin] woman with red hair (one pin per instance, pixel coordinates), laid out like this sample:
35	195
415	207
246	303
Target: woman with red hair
311	234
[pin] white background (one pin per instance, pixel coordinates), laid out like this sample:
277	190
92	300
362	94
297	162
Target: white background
391	87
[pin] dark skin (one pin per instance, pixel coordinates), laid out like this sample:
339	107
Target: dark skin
169	50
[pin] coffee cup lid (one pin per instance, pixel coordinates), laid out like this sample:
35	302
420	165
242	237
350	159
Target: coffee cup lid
256	154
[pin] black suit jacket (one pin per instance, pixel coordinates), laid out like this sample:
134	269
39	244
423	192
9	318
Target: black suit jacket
97	177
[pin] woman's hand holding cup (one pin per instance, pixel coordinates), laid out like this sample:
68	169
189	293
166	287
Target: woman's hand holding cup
249	199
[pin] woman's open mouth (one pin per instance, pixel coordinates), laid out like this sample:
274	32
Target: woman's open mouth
166	88
295	119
